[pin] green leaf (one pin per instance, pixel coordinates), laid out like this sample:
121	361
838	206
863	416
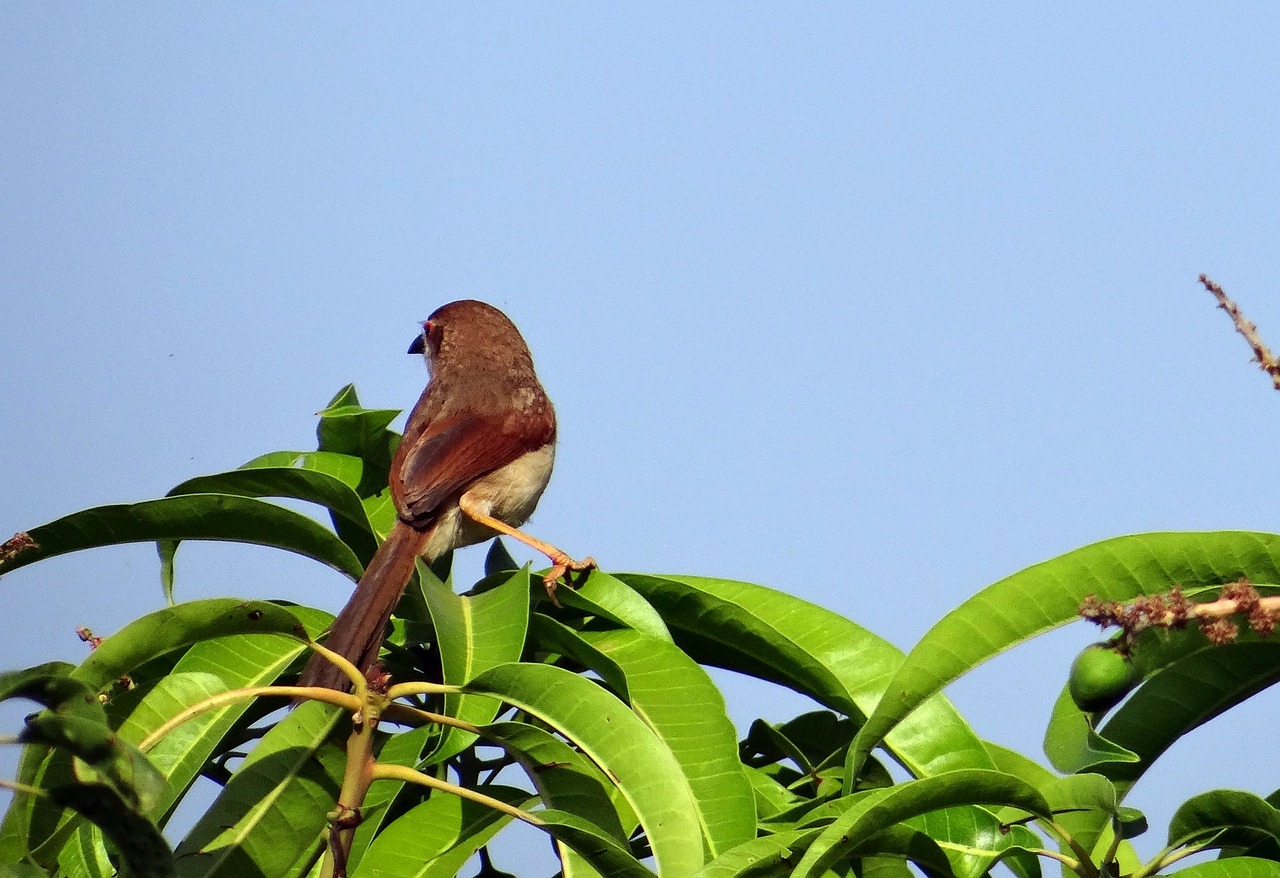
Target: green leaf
549	636
1071	743
605	854
347	428
1049	594
175	627
345	468
348	513
272	811
475	634
139	842
765	856
438	836
1236	867
972	838
677	699
778	637
190	517
612	598
566	780
1217	810
876	810
616	740
1187	693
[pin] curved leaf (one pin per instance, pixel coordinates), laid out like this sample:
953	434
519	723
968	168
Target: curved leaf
613	598
677	699
778	637
474	634
190	517
174	627
1217	810
346	468
1183	696
620	743
972	838
438	836
272	811
1071	743
348	513
876	810
1049	594
1236	867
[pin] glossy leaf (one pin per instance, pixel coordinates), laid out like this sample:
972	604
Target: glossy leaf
1071	743
272	811
1210	813
474	634
877	810
438	836
1184	695
778	637
1236	867
616	740
190	517
312	486
175	627
677	699
1049	594
139	842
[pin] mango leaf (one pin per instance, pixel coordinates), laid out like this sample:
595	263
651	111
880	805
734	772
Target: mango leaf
271	813
475	634
972	838
349	517
175	627
1219	817
876	810
190	517
676	698
438	836
768	855
613	598
1071	743
1049	594
778	637
346	427
1183	696
1236	867
605	854
346	468
618	742
141	846
565	779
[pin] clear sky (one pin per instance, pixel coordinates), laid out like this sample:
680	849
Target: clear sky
872	304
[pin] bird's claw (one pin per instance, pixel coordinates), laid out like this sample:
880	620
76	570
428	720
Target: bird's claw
565	567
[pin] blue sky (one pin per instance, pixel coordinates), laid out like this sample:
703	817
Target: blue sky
874	305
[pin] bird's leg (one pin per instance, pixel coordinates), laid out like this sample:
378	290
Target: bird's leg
561	564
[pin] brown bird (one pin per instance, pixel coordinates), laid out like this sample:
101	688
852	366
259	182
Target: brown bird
476	455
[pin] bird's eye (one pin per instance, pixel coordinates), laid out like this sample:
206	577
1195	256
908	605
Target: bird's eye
429	329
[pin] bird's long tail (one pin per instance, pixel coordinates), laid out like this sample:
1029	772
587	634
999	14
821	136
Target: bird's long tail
357	632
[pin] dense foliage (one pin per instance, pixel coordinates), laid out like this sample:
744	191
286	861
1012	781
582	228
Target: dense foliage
596	721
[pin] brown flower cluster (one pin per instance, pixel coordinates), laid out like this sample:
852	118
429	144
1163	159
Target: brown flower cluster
1174	610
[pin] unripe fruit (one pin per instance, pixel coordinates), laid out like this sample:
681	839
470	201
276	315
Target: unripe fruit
1100	678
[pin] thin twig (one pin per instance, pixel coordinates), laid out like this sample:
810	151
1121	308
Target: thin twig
1261	354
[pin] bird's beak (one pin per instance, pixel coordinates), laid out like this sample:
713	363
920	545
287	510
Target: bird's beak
418	344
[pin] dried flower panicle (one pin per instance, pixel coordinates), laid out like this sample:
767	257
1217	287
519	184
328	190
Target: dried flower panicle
1174	610
15	546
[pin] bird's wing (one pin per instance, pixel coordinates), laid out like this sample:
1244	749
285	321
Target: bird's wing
445	457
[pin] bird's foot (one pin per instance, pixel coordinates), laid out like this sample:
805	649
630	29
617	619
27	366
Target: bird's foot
564	566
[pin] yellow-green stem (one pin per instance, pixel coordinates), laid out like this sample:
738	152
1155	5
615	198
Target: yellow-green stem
404	773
